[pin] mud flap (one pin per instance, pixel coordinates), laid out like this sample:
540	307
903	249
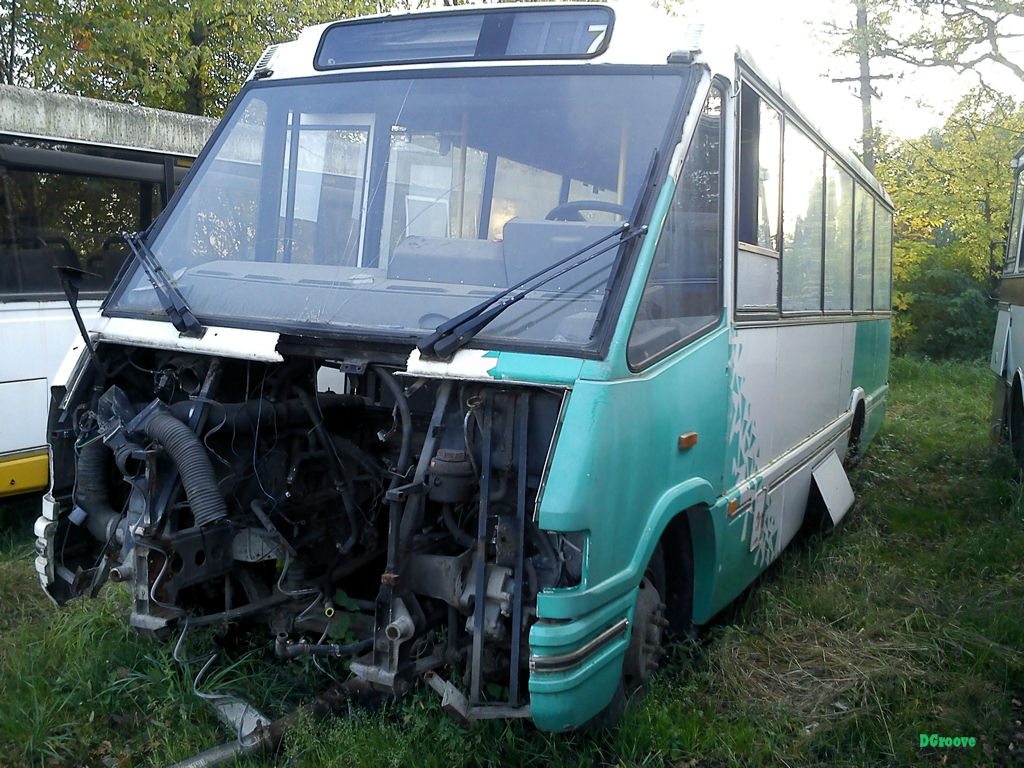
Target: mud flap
833	487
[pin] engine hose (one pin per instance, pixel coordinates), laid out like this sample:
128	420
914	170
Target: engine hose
460	536
395	508
336	470
285	649
193	462
261	413
92	493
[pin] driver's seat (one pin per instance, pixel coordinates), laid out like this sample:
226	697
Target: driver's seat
531	244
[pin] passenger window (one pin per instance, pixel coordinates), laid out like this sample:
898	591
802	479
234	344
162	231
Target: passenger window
682	296
838	237
759	171
863	231
802	222
883	259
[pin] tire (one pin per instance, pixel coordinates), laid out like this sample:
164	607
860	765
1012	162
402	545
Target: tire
1015	420
853	448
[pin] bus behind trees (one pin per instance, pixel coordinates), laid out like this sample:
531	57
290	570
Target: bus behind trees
503	342
75	174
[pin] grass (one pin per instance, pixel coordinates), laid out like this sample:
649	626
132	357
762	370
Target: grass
907	621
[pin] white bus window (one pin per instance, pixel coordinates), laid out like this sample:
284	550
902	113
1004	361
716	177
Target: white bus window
838	237
435	187
768	179
682	296
579	190
322	195
883	259
864	205
802	222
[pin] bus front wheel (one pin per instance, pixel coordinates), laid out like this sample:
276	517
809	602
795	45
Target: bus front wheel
644	651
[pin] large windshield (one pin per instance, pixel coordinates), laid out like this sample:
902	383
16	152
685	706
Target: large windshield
388	205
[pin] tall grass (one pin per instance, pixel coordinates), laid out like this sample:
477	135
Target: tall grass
906	621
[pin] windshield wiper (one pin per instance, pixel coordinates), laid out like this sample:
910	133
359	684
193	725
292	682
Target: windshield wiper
171	299
453	334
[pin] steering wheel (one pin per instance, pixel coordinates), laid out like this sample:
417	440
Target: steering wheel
571	211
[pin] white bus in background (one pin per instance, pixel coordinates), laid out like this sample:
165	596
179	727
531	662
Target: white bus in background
75	174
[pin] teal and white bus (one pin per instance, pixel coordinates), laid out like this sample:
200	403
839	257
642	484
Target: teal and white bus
521	335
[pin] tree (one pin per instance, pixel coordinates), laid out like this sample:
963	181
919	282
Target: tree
187	56
964	35
21	21
952	190
864	40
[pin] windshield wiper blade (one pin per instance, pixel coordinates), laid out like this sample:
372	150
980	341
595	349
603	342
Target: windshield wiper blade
167	292
453	334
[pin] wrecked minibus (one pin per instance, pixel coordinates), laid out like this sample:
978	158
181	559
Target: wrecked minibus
523	335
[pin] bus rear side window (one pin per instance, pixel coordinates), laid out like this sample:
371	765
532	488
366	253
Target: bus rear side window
862	243
883	259
1012	263
838	237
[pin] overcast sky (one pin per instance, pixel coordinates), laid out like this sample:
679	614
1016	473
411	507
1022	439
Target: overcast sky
788	38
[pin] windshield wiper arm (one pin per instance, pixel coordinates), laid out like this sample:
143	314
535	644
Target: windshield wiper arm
453	334
167	292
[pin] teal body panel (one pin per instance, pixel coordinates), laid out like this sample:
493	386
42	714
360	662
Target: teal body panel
560	700
536	369
617	472
871	370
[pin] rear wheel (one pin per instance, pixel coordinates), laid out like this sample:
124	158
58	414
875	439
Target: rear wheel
853	448
1016	423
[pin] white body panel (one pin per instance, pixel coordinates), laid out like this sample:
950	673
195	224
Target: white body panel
34	338
792	400
791	416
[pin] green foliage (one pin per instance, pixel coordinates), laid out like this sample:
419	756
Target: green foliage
952	189
946	312
190	57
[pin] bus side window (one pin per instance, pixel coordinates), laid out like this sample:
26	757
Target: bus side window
1012	263
760	128
682	296
863	231
802	221
883	259
838	237
757	268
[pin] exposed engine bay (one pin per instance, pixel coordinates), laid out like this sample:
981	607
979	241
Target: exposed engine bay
299	494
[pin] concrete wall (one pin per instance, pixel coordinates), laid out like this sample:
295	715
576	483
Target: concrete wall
27	112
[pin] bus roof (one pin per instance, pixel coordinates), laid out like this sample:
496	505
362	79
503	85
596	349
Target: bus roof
59	117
